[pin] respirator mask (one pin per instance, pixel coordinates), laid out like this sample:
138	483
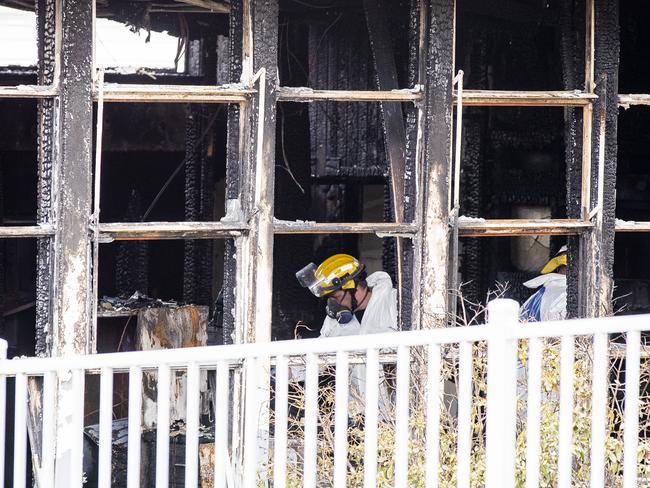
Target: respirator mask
342	314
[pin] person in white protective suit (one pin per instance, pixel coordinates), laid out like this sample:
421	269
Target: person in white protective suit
549	301
356	304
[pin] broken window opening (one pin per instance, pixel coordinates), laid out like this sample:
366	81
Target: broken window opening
333	49
126	49
17	37
18	162
344	143
513	163
175	271
18	295
298	313
163	163
634	37
631	273
633	173
521	46
498	267
167	42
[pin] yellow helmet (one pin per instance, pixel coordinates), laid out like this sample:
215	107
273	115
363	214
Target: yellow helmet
337	272
560	259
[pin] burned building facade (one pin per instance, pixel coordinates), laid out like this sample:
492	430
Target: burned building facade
454	144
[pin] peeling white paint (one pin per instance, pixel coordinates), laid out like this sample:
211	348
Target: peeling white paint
72	322
234	212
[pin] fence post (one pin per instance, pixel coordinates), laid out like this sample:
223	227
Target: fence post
503	317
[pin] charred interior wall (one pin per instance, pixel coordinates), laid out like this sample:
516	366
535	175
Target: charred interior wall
514	158
330	154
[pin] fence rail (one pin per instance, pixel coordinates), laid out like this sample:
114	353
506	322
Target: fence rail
494	404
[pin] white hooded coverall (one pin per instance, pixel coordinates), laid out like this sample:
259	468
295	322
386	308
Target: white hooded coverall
547	303
380	315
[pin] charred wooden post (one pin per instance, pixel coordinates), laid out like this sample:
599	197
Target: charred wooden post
604	154
71	318
259	280
197	276
416	40
233	166
169	328
193	155
72	264
45	15
434	236
206	210
572	21
264	19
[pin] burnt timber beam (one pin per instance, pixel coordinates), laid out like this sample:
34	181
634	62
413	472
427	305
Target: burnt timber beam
28	91
600	243
379	228
209	5
409	303
630	99
511	227
578	143
576	60
71	303
236	161
435	233
44	231
20	231
264	19
73	182
114	92
192	162
46	37
505	98
169	230
305	94
632	226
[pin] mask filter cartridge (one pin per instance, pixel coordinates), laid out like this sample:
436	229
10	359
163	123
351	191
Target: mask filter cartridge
338	312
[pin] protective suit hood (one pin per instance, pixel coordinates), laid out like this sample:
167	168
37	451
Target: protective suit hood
549	301
381	312
379	316
545	279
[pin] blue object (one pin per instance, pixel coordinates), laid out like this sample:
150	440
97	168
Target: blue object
531	310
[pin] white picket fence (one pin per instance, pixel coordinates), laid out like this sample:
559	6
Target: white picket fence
255	415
